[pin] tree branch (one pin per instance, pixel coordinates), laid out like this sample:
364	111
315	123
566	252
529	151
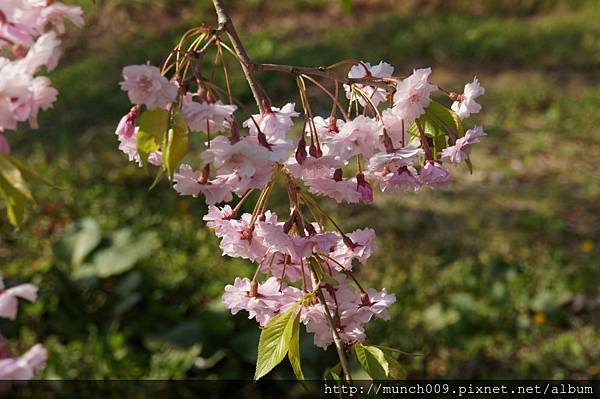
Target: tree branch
324	72
226	24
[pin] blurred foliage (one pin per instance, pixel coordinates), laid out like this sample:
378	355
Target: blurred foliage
496	277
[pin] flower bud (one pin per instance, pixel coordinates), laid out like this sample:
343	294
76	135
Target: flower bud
332	127
301	151
364	299
311	229
313	151
364	188
338	175
203	178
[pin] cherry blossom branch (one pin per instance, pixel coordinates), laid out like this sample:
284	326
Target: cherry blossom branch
337	341
324	72
226	25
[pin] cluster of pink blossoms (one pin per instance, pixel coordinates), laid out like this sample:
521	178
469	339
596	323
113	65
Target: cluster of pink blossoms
286	259
378	140
23	367
29	41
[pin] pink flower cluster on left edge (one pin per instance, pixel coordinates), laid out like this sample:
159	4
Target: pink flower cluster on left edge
29	42
24	366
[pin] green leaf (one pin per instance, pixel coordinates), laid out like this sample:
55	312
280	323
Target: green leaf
153	127
372	360
157	179
333	373
438	122
15	202
445	118
321	275
120	257
294	349
85	240
13	176
274	342
395	369
175	145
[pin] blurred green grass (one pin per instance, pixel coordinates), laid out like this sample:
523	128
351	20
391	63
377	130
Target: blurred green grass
496	277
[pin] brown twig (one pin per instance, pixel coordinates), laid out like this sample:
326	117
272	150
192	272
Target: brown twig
326	73
226	24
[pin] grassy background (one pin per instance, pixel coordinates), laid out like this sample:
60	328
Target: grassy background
496	277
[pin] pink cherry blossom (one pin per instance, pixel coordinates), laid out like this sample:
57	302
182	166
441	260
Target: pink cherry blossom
57	12
327	128
187	182
145	85
359	136
382	161
9	298
340	191
363	245
462	147
315	168
274	239
244	157
218	218
278	151
23	368
283	266
397	129
126	127
375	303
465	105
375	94
434	175
275	123
205	116
405	178
412	95
43	96
262	304
15	94
238	238
240	185
322	242
12	28
44	52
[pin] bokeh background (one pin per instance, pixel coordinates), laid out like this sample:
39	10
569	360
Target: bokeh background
496	277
